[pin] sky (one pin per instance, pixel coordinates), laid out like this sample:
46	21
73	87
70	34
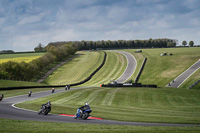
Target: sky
26	23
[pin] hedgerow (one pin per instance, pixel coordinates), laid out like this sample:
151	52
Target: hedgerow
26	71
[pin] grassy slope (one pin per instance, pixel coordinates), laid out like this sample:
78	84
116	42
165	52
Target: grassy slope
112	69
12	83
166	105
20	126
161	70
77	69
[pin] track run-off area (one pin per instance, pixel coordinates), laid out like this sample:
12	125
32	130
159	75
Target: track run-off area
9	111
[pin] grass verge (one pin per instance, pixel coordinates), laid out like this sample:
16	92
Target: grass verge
77	69
159	105
113	68
21	126
12	83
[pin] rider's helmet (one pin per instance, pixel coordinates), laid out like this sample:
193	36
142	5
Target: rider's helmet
86	103
49	102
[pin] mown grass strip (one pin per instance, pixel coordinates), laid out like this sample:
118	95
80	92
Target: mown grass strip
112	69
12	83
166	105
20	126
77	69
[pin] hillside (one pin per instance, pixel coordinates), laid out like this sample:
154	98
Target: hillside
161	70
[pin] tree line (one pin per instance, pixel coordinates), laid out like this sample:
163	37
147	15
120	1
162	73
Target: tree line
88	45
27	71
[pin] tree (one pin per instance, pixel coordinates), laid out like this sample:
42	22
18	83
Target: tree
39	48
184	43
171	44
191	43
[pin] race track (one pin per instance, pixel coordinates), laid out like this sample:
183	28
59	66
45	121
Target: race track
130	69
185	75
9	111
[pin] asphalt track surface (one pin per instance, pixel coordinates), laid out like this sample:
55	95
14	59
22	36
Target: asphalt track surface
185	75
130	69
9	111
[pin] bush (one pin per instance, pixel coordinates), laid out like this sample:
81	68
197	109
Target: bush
27	71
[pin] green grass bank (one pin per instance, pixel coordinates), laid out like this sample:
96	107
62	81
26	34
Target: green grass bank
159	105
20	126
161	70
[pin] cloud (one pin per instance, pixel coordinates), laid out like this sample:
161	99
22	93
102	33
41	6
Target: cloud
32	22
31	19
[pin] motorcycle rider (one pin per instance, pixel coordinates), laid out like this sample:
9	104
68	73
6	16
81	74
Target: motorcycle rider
53	89
83	108
45	108
29	93
1	97
48	104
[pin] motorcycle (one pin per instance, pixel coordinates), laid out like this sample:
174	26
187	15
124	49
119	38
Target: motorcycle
45	109
29	93
67	87
53	90
82	114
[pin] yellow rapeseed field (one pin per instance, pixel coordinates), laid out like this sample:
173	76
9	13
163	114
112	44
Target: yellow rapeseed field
19	59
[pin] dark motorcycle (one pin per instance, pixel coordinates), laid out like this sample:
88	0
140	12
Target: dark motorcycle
82	114
45	109
67	87
29	93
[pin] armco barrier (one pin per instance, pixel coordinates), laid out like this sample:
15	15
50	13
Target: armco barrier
74	84
193	85
129	85
142	67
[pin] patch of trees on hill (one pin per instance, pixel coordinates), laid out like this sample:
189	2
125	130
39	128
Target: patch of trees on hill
27	71
87	45
7	52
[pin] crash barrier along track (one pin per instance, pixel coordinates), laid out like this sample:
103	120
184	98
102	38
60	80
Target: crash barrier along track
141	69
193	85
